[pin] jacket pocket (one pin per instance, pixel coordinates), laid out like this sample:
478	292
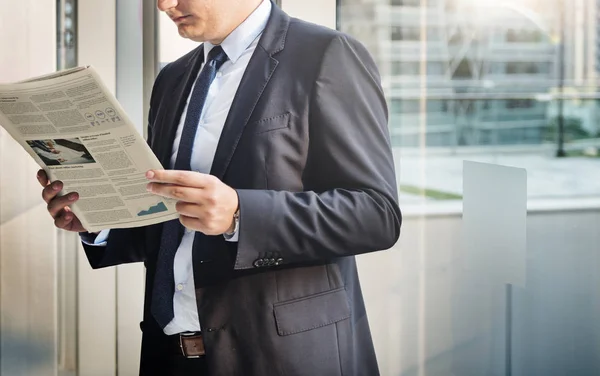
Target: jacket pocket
272	123
311	312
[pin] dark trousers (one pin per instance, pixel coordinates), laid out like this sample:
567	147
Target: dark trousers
162	357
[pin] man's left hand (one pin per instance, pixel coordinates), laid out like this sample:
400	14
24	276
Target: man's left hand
205	203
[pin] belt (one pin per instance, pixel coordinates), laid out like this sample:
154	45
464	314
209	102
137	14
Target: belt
190	345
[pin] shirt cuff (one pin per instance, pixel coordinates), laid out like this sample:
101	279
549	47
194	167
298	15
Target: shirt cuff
99	240
236	234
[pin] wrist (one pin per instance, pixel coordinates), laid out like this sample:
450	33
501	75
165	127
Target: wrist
233	228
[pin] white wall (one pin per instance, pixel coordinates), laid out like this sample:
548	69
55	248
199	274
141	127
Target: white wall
28	330
316	11
430	315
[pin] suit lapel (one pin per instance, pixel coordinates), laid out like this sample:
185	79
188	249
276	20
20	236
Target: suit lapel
260	69
177	99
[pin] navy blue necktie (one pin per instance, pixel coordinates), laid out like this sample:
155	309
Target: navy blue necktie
164	284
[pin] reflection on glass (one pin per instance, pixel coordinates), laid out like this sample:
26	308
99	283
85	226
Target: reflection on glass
465	74
491	59
501	82
66	31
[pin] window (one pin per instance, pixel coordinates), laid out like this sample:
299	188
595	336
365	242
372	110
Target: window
410	3
437	105
527	68
523	36
520	103
405	68
463	70
435	68
66	22
490	308
413	106
405	106
400	33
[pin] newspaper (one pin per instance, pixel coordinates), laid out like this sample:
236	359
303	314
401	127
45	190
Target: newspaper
76	130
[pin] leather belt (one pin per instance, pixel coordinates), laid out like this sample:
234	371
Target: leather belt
191	345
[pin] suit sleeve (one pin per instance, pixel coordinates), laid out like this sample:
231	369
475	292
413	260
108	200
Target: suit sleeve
124	245
349	205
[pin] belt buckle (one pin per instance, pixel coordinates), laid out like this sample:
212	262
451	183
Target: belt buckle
183	352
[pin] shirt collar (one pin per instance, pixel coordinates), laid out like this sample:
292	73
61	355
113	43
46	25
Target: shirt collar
242	37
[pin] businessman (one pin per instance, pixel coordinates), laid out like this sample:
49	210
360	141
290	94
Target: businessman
274	135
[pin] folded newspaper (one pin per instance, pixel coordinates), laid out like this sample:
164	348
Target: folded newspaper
76	130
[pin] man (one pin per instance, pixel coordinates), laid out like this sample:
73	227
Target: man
276	134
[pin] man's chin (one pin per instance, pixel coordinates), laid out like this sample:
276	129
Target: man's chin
188	33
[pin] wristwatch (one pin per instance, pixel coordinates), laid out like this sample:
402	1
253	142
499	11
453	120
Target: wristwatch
236	225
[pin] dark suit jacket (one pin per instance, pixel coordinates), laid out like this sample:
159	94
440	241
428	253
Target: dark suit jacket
306	146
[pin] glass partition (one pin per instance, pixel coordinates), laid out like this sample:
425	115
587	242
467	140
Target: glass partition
511	83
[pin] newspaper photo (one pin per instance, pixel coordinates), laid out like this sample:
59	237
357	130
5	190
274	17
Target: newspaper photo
76	130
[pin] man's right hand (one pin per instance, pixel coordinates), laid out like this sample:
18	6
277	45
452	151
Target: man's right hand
58	207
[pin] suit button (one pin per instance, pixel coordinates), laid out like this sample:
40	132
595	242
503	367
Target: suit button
279	261
258	263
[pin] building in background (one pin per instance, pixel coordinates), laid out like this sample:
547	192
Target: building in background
474	72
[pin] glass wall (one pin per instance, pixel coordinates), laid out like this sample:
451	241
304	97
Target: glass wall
511	83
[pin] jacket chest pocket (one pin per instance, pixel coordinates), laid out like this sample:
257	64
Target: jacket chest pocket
271	124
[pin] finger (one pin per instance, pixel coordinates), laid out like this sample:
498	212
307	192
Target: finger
178	192
42	178
198	224
183	178
51	190
193	223
63	219
191	210
59	203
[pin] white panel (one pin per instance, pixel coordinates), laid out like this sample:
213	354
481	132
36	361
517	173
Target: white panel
492	259
68	252
130	308
494	216
317	11
28	332
97	288
98	38
130	61
97	320
130	85
28	294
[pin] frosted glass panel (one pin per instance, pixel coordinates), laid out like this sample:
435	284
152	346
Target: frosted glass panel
492	256
494	222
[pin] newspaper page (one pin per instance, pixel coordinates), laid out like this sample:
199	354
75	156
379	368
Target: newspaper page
76	130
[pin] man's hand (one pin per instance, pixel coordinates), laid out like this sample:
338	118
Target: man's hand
205	203
58	207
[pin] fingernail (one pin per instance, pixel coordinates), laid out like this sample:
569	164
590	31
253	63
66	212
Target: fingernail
72	197
149	187
56	187
150	174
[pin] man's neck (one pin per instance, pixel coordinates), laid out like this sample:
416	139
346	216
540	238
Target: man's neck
240	16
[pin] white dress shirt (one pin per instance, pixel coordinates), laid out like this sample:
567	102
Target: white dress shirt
239	47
